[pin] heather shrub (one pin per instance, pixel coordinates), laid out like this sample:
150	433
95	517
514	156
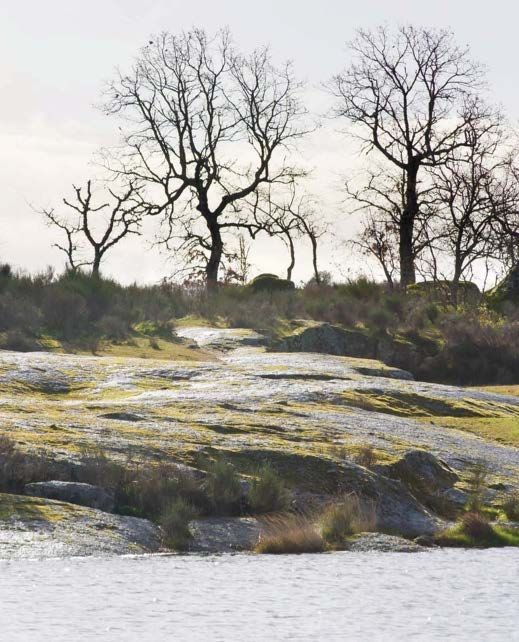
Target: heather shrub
268	492
174	523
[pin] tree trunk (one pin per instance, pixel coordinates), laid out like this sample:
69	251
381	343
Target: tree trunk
455	285
292	256
314	259
96	265
215	257
406	229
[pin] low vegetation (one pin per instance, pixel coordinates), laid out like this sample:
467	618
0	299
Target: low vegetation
475	530
290	534
268	492
345	517
174	522
467	344
511	507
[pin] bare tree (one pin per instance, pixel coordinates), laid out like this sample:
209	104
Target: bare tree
97	227
465	188
412	95
382	200
504	203
192	104
378	238
290	217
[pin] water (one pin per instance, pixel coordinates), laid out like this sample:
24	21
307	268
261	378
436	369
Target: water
441	595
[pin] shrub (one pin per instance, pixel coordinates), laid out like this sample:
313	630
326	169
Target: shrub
18	341
289	534
223	487
270	283
18	468
268	492
113	327
142	491
174	522
476	487
511	507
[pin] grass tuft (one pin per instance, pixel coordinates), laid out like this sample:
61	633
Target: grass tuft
290	534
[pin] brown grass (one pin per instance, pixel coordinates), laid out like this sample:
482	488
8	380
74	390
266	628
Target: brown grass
347	516
476	526
289	534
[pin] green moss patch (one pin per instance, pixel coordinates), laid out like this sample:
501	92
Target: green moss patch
408	404
504	430
455	537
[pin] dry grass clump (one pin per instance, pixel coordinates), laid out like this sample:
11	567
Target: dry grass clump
347	516
477	526
366	456
290	534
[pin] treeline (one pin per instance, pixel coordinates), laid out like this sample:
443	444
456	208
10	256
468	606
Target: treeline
208	142
419	330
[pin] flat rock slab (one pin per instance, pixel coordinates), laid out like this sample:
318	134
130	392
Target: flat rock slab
36	528
224	534
382	543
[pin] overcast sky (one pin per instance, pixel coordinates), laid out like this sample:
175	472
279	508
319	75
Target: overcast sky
55	55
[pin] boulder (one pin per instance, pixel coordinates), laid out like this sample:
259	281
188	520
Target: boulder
424	472
224	534
73	493
34	527
330	339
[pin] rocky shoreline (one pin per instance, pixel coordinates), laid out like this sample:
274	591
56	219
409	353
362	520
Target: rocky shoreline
310	415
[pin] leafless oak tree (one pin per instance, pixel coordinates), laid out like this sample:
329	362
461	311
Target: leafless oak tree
95	229
382	201
412	95
465	188
192	105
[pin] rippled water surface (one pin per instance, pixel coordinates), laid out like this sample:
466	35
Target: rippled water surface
440	595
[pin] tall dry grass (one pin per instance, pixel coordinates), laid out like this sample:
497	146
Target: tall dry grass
289	534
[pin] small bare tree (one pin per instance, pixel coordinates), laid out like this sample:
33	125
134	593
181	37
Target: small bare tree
192	104
290	217
412	97
465	188
95	229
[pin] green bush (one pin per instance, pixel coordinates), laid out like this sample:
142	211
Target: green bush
270	283
268	492
174	522
223	488
511	507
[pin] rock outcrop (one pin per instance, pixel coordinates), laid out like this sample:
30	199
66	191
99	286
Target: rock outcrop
224	534
423	471
73	493
329	339
33	527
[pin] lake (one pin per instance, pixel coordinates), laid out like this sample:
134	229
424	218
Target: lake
435	595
